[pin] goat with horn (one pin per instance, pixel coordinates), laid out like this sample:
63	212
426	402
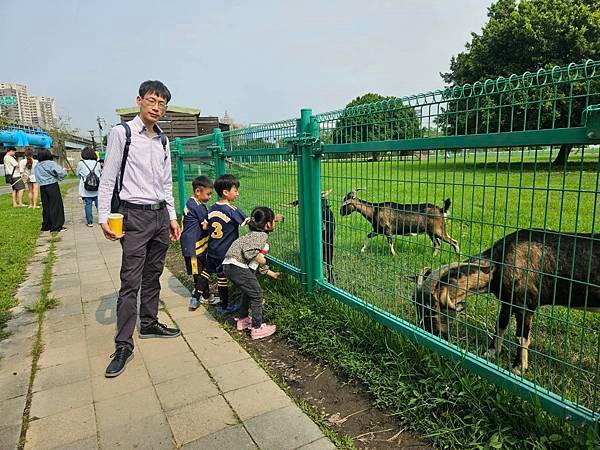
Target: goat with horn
524	270
394	219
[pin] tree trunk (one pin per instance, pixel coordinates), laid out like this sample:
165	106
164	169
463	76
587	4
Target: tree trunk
563	155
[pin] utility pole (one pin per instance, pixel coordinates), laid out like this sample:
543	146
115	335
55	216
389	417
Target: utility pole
100	120
93	140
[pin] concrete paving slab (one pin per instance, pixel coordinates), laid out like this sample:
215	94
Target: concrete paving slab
238	374
125	409
267	429
180	364
15	366
199	419
61	338
90	443
133	379
99	345
161	348
257	399
61	429
12	386
230	438
10	436
213	355
61	398
53	356
149	433
62	374
12	411
321	444
184	390
63	323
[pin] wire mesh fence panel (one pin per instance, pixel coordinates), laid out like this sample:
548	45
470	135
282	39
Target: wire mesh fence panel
466	218
259	157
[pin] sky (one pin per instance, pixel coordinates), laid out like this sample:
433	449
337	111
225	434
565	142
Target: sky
260	61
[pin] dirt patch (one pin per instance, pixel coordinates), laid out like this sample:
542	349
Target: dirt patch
344	405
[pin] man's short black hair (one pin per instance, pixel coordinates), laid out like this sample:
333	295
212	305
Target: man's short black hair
225	183
155	87
10	149
201	182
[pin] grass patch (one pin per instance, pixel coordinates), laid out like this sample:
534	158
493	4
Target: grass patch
40	307
19	230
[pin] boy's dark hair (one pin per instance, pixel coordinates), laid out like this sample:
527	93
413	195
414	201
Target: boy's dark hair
225	183
10	149
155	87
260	217
201	182
44	155
89	154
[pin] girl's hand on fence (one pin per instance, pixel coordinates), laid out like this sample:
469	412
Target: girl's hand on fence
274	275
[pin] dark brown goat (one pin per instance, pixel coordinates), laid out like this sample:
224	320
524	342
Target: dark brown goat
524	270
394	219
328	232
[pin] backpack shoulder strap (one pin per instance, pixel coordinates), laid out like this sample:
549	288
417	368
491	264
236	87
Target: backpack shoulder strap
125	152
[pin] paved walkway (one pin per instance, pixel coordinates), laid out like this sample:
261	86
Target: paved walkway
199	391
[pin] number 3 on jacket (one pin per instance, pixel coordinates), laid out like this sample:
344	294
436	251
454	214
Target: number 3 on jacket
217	230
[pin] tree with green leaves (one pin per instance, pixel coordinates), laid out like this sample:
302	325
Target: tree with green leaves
373	117
528	35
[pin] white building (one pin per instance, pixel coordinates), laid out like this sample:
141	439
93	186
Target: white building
34	111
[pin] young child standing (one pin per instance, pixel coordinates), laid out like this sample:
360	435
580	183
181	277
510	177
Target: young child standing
194	240
224	221
236	266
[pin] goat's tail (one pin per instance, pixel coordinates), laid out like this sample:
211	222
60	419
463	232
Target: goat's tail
446	206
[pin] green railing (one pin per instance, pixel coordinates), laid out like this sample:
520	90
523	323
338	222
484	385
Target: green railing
512	153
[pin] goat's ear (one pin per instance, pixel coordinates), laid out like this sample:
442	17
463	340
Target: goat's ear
325	194
418	279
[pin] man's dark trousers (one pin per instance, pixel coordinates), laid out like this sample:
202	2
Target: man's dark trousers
144	247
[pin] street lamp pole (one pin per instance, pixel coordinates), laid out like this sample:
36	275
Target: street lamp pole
100	120
93	140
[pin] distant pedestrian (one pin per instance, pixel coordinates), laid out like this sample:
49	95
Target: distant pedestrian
243	258
48	174
27	168
11	168
87	166
146	202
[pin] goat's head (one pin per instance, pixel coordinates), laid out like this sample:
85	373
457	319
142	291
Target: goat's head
349	202
324	202
440	294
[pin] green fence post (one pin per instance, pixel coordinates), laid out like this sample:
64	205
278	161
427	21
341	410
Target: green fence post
180	174
309	196
219	152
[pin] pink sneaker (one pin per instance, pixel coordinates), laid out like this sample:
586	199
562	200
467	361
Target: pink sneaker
263	331
243	324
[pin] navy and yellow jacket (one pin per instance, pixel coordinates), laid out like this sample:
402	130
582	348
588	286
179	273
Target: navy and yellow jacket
194	240
224	221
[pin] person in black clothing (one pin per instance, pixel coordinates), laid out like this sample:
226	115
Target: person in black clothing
47	175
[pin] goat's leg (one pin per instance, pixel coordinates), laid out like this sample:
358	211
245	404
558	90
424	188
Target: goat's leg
523	330
435	242
390	240
369	236
495	347
453	242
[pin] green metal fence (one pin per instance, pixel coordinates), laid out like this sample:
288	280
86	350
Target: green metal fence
492	149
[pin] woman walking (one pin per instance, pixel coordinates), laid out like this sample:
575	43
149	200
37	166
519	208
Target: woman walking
88	184
47	175
27	168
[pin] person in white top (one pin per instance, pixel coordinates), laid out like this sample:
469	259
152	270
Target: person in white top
88	163
11	168
27	166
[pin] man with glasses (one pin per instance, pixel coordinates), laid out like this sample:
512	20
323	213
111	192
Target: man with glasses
146	202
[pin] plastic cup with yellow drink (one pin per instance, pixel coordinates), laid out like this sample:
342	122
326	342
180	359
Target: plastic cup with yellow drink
115	223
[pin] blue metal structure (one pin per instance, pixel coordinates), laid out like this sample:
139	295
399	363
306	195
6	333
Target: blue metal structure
22	137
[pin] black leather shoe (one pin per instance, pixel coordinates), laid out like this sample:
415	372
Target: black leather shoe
158	330
121	357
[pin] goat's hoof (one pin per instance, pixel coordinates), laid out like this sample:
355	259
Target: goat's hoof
519	370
